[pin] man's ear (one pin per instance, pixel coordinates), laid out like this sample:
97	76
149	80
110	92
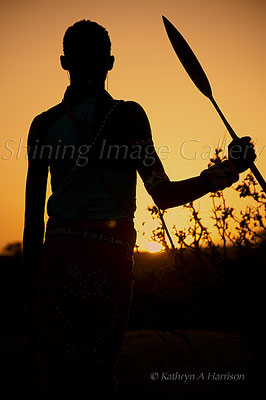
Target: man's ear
110	63
64	63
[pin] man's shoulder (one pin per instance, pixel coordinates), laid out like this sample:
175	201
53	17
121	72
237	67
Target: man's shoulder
130	117
135	113
44	121
132	112
48	117
133	107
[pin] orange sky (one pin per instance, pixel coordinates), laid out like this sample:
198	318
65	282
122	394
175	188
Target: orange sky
227	36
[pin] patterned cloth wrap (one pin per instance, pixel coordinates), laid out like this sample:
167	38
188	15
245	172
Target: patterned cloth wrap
83	302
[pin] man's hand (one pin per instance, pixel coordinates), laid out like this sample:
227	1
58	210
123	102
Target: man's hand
241	152
220	176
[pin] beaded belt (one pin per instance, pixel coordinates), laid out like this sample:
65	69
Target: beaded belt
89	235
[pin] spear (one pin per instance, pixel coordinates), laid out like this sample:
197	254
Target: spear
198	76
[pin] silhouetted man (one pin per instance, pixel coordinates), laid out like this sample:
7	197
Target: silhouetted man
93	146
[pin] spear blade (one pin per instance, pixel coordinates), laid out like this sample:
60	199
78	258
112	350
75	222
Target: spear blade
188	58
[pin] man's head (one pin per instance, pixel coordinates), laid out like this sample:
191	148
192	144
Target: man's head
87	52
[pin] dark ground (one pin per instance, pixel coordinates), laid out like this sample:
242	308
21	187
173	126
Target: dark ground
149	354
216	328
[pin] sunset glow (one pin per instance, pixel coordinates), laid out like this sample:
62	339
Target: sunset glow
153	247
229	39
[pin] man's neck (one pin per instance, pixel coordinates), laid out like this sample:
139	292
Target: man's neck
86	85
76	92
